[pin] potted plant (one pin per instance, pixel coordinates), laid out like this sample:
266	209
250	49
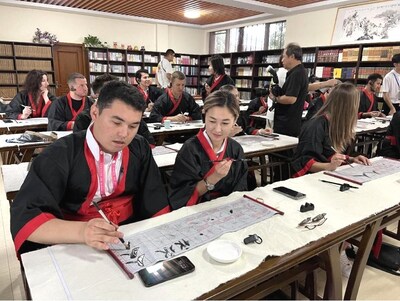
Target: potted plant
93	41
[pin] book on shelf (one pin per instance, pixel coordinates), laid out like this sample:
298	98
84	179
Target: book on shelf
27	65
33	51
6	50
148	58
270	59
337	72
244	71
136	58
96	55
116	56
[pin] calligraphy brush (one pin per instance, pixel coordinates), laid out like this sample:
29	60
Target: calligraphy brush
127	245
346	160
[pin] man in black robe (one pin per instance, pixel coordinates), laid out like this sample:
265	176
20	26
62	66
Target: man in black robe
176	104
84	118
107	164
368	101
64	110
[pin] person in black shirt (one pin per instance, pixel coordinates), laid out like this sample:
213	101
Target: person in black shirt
289	105
368	101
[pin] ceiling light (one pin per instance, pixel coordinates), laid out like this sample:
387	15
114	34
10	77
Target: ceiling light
192	14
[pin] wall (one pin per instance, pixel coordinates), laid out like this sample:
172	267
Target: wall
72	28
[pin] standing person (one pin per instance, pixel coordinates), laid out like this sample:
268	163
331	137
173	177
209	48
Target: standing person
164	69
150	93
34	100
391	88
176	104
289	105
108	164
325	137
218	76
64	110
368	100
209	165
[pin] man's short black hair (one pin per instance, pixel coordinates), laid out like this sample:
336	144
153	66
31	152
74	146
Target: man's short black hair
116	90
169	51
396	58
101	80
373	77
138	74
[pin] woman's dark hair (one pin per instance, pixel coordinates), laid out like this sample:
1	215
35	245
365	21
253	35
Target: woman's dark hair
33	81
222	99
217	63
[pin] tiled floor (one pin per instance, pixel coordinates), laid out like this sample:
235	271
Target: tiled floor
375	285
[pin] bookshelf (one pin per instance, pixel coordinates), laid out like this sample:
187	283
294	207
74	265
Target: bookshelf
249	69
125	63
17	59
189	65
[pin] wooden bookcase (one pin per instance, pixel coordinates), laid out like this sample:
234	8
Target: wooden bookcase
17	59
249	69
124	64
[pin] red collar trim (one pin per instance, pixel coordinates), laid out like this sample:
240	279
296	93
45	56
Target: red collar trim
75	113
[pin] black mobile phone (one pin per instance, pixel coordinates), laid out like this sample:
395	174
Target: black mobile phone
7	120
166	270
293	194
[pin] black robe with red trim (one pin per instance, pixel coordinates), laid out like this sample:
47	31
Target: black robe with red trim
63	179
391	143
226	80
192	164
60	114
365	104
315	105
15	108
314	146
163	106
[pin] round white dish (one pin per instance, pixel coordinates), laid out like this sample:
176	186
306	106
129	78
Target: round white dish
224	251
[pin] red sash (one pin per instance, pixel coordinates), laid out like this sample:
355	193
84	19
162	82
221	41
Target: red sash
36	111
75	113
175	103
116	206
212	156
216	82
370	96
144	93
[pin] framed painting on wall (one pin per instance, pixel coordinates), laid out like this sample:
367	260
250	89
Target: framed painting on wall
369	23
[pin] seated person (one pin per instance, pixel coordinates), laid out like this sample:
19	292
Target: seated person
144	86
34	100
176	104
84	118
209	165
242	127
323	139
317	103
259	106
391	143
64	110
108	164
368	100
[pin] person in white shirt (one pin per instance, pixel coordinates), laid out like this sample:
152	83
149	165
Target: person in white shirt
164	69
391	88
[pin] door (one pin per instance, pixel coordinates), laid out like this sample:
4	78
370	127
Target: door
68	58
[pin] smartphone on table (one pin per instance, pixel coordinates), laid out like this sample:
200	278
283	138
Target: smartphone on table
293	194
166	270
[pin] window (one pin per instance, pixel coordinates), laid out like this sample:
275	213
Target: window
248	38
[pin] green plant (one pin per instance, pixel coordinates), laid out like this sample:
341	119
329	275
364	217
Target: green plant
92	41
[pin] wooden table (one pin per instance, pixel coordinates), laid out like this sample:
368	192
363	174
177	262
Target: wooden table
20	126
288	250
